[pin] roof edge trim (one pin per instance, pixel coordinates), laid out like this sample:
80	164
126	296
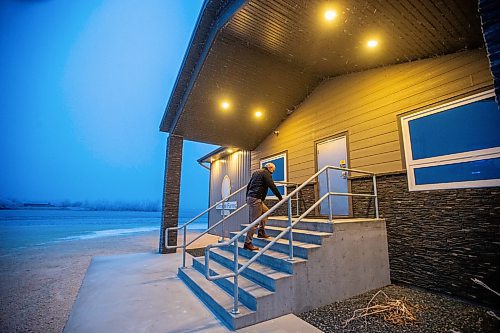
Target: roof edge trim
221	20
188	51
212	153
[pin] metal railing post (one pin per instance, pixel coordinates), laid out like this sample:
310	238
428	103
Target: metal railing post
223	216
184	249
330	217
297	197
376	196
207	261
290	233
235	310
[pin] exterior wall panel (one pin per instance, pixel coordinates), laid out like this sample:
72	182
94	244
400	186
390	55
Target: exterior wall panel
441	239
438	240
237	167
366	105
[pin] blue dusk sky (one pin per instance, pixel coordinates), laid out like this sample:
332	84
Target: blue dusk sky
83	88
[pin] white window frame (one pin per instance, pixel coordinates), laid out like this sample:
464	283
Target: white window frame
285	171
475	155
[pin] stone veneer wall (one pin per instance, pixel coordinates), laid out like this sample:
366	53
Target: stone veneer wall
439	240
171	192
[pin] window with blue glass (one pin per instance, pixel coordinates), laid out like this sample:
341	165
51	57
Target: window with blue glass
280	174
456	145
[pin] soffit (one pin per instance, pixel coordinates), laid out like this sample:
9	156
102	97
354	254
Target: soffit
272	54
251	80
407	30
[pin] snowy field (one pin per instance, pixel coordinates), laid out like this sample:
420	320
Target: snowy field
44	255
41	227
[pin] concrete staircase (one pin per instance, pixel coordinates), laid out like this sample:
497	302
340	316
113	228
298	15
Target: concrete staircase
332	262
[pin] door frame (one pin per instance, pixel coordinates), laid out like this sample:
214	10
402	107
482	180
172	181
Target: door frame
334	136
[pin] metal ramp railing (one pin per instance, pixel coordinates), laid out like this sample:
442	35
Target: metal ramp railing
185	225
221	222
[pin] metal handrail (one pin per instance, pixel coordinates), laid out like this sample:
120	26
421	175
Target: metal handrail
238	270
184	226
296	195
286	183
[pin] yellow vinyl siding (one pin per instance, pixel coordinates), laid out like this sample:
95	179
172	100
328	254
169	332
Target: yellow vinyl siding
370	142
366	105
380	158
392	146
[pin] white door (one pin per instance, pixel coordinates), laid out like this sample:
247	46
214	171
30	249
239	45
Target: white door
333	152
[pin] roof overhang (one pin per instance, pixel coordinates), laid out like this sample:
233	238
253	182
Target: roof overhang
217	154
270	55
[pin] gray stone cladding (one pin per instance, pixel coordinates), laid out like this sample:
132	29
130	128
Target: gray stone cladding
171	191
439	240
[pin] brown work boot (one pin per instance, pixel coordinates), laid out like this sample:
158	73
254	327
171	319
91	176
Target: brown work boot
262	234
249	246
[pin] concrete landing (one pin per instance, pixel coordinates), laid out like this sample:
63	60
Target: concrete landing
141	293
201	242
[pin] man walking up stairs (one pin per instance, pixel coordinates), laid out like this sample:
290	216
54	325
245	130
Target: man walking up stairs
257	188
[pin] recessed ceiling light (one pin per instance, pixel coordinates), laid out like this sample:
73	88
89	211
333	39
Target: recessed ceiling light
225	105
372	43
258	114
330	15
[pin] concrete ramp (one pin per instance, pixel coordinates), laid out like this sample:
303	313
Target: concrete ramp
141	293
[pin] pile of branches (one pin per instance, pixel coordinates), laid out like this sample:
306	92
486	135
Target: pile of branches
394	311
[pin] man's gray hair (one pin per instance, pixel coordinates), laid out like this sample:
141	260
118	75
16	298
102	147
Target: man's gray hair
270	165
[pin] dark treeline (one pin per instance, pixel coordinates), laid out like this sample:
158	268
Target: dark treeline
144	206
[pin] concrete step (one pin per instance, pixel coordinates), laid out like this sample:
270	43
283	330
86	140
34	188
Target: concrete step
249	293
217	300
274	259
306	236
300	249
321	225
263	275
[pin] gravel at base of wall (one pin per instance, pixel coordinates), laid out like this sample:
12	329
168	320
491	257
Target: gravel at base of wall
437	313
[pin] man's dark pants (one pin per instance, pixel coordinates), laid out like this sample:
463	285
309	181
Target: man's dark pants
256	208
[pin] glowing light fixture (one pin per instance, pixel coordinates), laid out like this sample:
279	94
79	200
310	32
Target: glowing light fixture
372	43
229	150
330	15
225	105
258	114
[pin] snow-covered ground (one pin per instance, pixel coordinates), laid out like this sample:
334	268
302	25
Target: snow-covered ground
39	227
